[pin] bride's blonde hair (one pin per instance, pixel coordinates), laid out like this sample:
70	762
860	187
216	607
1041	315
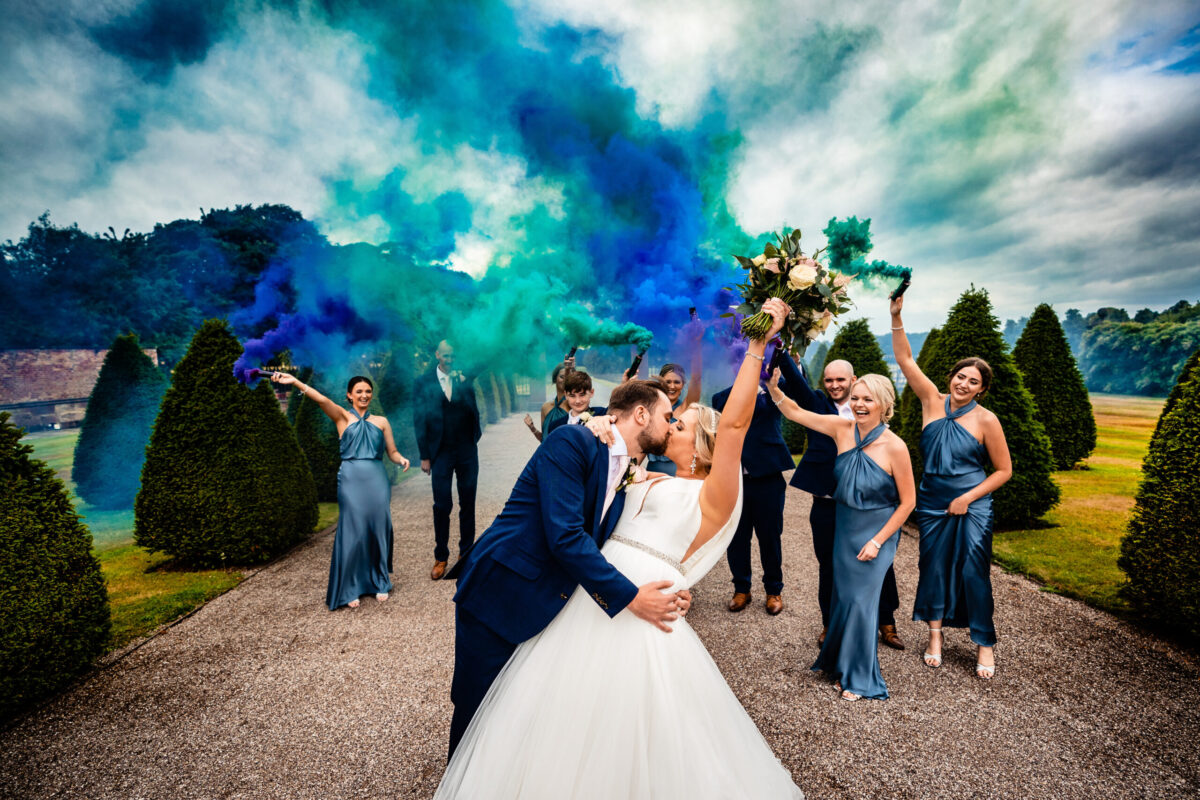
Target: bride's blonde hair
706	434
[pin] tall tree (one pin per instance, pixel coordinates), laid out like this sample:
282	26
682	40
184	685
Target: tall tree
1160	552
225	481
972	330
816	364
1052	377
855	343
111	449
53	607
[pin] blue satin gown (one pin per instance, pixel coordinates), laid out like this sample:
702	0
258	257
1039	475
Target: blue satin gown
362	546
955	583
866	498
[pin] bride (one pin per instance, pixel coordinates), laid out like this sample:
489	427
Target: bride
604	708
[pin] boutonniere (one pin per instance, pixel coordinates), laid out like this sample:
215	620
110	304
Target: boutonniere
584	417
636	473
458	376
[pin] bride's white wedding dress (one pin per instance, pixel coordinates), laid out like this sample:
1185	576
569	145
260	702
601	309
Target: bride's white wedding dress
602	708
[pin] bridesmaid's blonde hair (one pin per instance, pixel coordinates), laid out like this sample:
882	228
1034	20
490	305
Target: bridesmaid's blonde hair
882	391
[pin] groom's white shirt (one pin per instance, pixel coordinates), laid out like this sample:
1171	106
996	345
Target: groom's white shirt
618	463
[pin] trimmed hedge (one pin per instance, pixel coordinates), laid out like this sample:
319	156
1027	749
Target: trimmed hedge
225	481
111	449
855	343
1160	552
318	438
1053	378
972	330
54	617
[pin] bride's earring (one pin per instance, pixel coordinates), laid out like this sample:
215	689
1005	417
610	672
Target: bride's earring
693	463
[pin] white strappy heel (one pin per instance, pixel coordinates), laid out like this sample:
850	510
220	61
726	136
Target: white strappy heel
933	661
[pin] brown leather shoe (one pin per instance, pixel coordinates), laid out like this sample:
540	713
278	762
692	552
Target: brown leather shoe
740	600
821	638
439	569
889	636
774	604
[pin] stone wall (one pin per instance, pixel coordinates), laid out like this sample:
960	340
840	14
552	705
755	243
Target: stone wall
50	388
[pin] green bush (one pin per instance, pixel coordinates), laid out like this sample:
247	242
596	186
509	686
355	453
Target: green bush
111	448
1173	398
855	343
318	438
53	605
1160	553
225	481
972	330
1052	377
816	364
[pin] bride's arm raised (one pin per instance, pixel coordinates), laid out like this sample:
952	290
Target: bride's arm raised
719	494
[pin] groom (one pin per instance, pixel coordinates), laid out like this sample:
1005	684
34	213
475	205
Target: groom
522	569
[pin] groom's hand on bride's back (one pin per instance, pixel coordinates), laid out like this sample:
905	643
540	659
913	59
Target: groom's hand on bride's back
655	607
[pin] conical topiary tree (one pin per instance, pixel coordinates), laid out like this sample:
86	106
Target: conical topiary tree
107	468
972	330
1053	378
294	395
224	481
907	420
855	343
1173	398
318	438
1160	552
816	364
53	605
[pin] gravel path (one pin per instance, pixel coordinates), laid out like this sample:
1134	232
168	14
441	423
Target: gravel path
264	693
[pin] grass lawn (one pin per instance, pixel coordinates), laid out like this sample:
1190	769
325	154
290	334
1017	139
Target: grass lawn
140	596
1077	554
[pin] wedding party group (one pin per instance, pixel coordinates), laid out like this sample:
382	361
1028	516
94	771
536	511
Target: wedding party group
575	669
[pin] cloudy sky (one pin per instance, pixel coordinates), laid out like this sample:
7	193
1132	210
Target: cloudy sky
1047	150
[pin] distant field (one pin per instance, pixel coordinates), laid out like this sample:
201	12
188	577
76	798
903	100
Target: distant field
141	596
1077	554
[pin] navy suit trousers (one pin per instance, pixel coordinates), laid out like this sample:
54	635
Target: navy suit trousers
822	519
762	515
461	462
479	655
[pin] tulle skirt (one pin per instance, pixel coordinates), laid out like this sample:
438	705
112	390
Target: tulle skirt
604	708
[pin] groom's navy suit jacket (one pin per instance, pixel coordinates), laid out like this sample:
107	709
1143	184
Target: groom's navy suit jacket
522	569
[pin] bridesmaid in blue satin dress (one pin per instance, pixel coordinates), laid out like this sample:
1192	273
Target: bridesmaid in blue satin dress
362	546
674	378
954	506
875	493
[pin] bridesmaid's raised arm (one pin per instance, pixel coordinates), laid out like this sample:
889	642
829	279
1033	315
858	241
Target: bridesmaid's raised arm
332	410
924	388
828	424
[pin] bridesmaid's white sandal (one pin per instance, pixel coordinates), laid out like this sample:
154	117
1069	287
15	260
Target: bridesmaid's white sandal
352	604
933	661
382	597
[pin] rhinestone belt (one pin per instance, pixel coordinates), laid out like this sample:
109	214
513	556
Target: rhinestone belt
645	548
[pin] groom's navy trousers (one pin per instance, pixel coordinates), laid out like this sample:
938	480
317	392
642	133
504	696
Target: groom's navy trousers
522	570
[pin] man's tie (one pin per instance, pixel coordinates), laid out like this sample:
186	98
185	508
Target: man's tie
623	467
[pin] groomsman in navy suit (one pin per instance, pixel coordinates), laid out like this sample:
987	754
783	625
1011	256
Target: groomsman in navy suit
814	474
547	541
765	457
447	426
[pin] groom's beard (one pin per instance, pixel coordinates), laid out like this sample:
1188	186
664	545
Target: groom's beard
649	444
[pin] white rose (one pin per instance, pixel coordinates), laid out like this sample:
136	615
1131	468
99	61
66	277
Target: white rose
802	277
759	260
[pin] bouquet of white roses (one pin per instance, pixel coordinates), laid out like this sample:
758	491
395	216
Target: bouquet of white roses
816	294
